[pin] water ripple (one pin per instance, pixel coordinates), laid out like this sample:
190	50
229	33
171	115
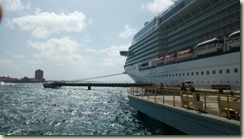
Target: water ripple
29	109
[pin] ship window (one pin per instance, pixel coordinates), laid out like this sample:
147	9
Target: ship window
196	73
176	74
202	72
179	74
235	70
192	73
169	75
173	75
220	71
214	71
207	72
183	74
227	70
228	81
187	73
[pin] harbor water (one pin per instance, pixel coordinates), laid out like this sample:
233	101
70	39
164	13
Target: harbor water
29	109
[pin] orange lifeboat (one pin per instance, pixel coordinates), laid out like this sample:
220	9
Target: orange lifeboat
169	58
159	60
186	54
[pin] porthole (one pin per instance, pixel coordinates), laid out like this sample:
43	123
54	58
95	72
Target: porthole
220	71
202	72
235	70
196	73
192	73
214	71
227	70
207	72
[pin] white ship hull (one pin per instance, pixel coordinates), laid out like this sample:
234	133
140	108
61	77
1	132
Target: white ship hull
221	70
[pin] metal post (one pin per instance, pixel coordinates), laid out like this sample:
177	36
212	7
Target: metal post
205	102
163	94
228	107
174	98
155	92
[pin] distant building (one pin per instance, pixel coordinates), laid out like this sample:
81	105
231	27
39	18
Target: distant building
39	75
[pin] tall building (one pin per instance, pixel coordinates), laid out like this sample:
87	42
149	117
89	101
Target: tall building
39	75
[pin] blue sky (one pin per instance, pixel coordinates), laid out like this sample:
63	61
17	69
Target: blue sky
72	39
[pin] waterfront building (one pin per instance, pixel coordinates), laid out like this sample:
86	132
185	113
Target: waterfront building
39	75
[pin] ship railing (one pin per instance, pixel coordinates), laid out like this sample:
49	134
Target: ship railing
223	105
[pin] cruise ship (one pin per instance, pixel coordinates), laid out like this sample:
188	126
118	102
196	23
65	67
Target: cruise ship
194	40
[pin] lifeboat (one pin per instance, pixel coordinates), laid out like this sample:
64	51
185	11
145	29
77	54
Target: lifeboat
159	60
233	39
209	46
186	54
170	58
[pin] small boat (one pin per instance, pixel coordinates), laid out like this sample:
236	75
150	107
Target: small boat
209	46
233	39
170	58
186	54
51	85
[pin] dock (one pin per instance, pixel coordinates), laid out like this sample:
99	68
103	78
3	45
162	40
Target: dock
90	84
172	107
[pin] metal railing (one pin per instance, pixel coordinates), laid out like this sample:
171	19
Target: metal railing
212	102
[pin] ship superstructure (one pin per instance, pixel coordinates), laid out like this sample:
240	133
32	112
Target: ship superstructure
197	40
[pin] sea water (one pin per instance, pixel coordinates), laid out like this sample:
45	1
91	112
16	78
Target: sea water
30	109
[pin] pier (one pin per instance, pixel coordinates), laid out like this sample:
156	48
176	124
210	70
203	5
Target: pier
89	84
213	114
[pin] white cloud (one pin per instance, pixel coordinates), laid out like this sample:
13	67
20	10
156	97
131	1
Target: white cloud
5	62
156	6
19	56
44	24
127	32
35	62
13	5
109	58
63	50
